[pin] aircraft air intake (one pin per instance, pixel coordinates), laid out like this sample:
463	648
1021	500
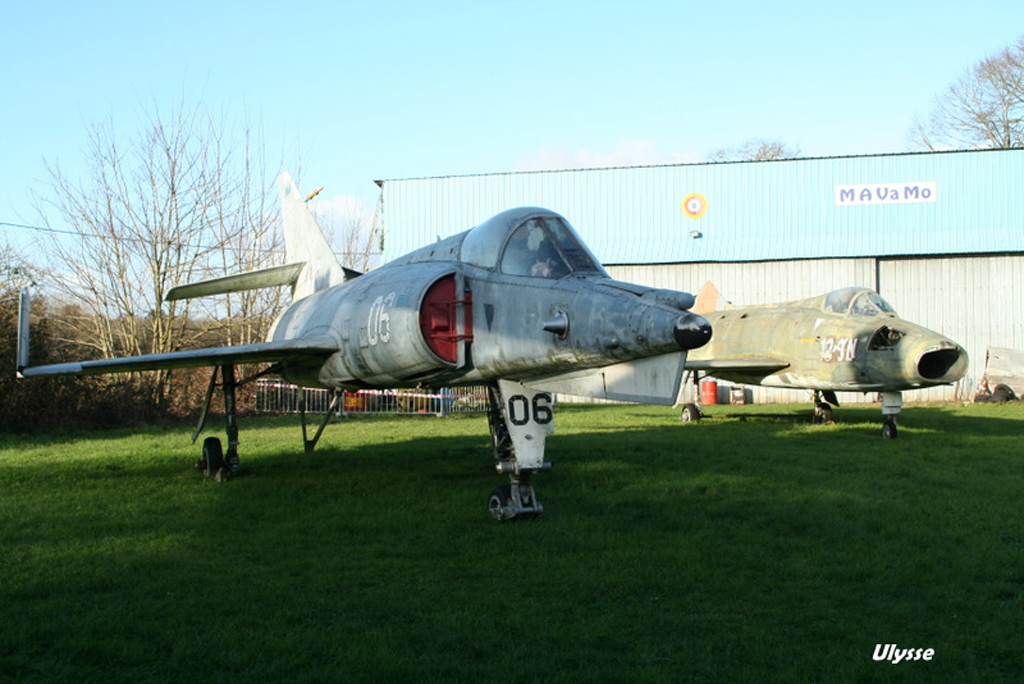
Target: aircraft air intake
936	363
446	319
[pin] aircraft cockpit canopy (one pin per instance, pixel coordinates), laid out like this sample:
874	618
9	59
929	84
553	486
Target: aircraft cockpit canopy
529	242
857	301
544	247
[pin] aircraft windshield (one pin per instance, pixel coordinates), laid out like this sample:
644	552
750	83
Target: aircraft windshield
545	248
857	302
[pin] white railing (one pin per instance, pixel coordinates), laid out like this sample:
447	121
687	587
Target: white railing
278	396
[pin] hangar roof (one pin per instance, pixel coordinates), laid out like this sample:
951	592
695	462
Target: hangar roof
883	205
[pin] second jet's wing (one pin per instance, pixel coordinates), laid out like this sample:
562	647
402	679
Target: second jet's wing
741	363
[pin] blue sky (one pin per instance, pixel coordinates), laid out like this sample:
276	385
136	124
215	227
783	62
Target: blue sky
362	91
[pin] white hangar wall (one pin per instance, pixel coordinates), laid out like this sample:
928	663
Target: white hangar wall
976	300
939	235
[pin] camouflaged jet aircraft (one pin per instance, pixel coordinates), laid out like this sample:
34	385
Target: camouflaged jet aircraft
848	340
518	302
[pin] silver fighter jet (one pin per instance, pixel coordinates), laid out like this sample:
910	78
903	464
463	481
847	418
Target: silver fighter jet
518	303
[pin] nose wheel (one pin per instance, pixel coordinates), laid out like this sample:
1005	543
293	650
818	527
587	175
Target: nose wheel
892	403
513	500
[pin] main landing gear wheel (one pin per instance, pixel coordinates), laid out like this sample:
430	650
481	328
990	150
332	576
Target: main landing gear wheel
889	429
690	413
213	456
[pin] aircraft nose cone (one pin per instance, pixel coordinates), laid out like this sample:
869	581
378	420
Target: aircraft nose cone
691	331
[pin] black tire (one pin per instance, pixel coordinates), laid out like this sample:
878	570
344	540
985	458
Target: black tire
1002	394
889	430
213	455
690	413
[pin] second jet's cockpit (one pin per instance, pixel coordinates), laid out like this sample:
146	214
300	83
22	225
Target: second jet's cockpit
857	301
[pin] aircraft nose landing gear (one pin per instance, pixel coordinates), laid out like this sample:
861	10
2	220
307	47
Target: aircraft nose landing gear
892	402
823	400
519	419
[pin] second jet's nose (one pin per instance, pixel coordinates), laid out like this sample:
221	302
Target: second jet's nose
692	331
943	362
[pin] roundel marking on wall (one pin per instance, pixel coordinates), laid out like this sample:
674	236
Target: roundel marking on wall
695	205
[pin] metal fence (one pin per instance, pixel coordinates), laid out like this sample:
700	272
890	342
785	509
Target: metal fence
277	396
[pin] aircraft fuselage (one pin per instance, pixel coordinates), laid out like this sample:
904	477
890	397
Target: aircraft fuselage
436	321
867	349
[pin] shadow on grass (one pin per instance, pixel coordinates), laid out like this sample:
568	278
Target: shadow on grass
997	419
761	550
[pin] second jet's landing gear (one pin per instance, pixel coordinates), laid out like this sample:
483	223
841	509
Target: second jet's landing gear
892	403
824	400
691	412
519	419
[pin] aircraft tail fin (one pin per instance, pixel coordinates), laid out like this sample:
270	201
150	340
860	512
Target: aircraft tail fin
709	299
305	242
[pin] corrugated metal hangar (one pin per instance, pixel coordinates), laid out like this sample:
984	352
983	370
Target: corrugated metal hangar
938	235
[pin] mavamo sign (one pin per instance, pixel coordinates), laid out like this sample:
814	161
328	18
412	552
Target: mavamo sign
886	193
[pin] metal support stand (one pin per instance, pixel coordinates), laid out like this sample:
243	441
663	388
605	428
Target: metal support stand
310	444
206	406
229	385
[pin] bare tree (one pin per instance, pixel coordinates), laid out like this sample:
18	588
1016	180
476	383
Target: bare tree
245	231
984	108
756	149
176	203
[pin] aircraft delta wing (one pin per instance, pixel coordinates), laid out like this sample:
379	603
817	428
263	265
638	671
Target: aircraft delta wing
848	340
518	303
293	352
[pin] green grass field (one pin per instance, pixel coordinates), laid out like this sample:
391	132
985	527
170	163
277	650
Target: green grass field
729	550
